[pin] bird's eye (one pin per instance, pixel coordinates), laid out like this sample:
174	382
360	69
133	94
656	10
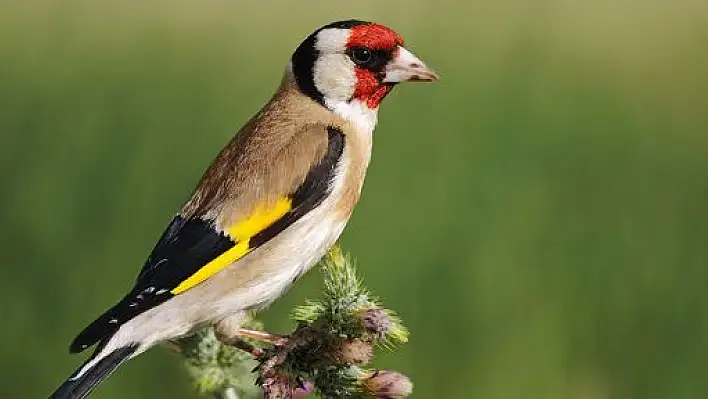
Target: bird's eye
361	55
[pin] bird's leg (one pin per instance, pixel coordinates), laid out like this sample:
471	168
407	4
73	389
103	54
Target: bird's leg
239	343
229	332
262	336
226	331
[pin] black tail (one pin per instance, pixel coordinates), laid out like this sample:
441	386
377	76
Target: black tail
80	384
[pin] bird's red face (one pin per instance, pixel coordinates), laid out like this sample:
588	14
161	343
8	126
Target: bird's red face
355	61
371	47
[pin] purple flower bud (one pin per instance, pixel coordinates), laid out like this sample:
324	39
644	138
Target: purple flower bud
386	384
281	387
375	320
305	390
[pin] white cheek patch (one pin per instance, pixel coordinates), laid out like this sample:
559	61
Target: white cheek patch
332	40
334	77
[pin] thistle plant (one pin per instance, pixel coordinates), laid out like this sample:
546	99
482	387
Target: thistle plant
326	354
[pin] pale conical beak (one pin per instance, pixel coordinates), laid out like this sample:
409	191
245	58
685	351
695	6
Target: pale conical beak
406	67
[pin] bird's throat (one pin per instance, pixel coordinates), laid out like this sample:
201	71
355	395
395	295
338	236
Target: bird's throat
378	95
369	89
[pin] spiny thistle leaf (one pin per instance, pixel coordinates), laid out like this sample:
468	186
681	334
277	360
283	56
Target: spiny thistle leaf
307	313
214	367
397	332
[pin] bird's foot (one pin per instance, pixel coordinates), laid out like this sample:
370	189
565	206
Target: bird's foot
262	336
238	339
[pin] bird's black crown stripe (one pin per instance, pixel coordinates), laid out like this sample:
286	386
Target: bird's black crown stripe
304	57
188	244
346	24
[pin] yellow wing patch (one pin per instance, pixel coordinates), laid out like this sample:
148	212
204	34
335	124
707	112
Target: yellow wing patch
241	232
261	218
232	255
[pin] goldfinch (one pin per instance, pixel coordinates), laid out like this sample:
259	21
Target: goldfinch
270	205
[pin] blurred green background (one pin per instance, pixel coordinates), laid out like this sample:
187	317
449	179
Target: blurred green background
539	217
